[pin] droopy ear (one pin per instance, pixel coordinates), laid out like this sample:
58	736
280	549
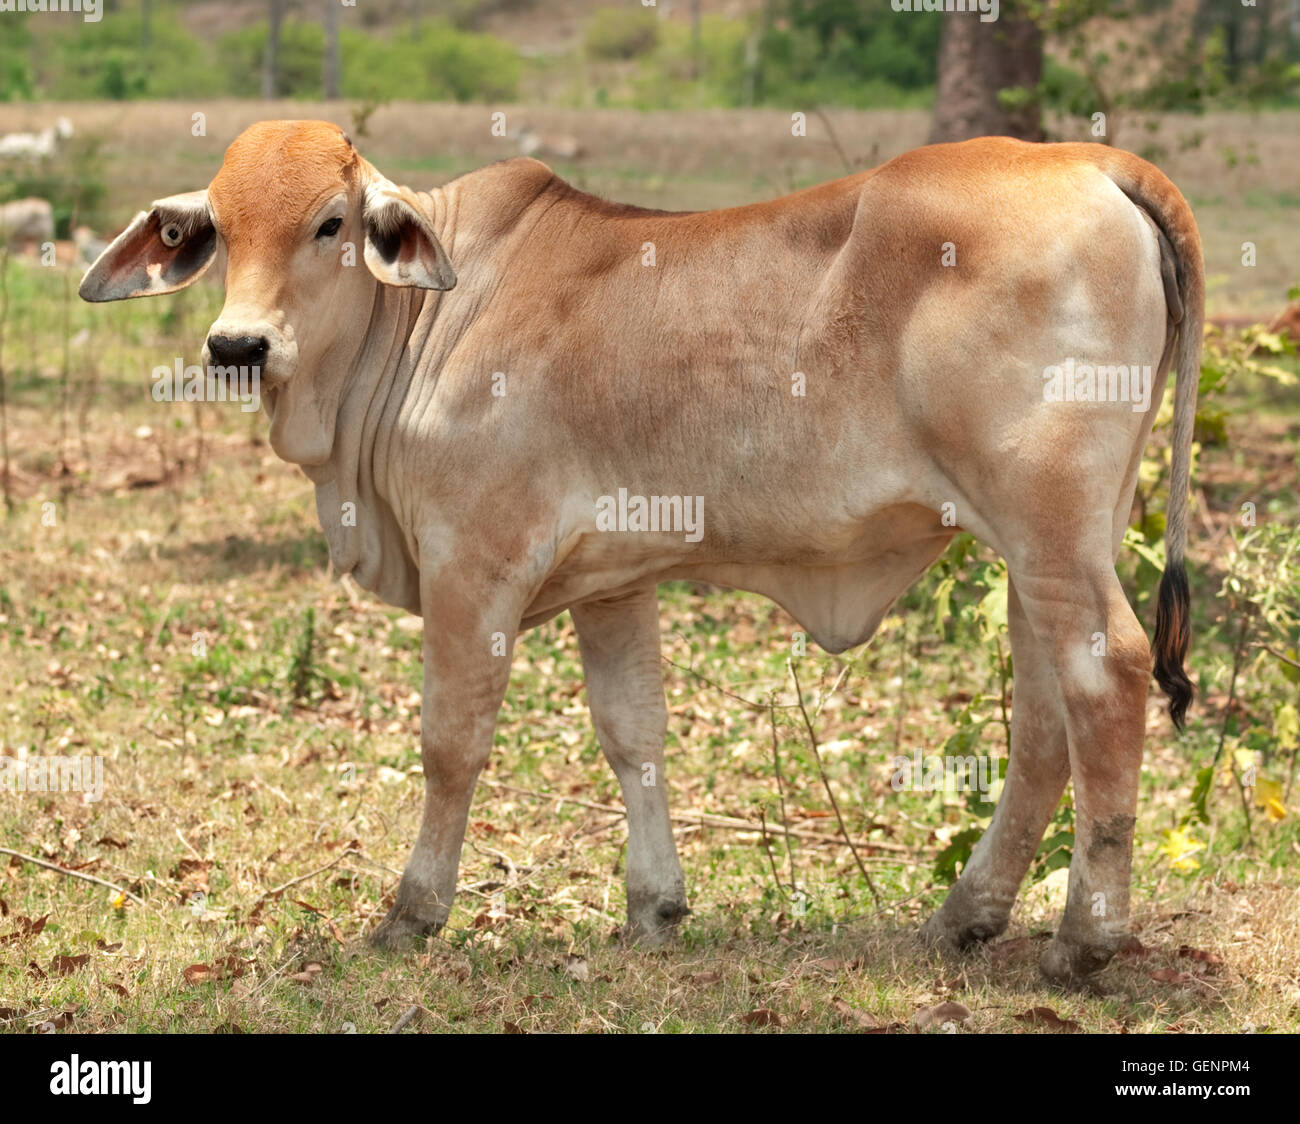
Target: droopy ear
164	249
401	247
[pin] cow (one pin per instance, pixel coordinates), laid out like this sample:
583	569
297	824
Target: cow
560	146
835	383
26	220
35	146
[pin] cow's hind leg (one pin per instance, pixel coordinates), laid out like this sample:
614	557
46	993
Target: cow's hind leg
1102	663
619	640
468	640
979	905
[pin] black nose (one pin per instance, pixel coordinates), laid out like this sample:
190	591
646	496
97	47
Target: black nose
237	351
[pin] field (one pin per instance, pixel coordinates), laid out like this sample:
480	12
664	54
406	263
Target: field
166	603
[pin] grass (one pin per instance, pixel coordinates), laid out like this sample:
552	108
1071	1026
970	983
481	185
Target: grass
166	603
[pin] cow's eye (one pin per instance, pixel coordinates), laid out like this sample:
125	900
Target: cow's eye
329	228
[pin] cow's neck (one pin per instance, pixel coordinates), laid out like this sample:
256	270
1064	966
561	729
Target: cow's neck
392	368
353	502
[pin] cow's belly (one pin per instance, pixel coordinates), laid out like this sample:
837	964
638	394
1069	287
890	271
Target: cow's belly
837	589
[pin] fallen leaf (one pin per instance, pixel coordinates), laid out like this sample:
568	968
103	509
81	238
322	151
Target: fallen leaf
762	1016
835	964
939	1015
1210	962
231	967
64	965
198	973
858	1018
1046	1017
1133	949
26	928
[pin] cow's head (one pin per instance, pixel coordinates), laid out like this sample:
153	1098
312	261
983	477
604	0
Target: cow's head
290	201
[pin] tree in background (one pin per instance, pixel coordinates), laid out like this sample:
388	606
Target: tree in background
330	65
271	60
988	76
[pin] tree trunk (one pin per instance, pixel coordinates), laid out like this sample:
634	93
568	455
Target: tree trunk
976	60
271	61
330	67
695	39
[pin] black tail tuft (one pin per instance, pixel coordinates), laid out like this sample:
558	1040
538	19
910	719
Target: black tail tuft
1173	636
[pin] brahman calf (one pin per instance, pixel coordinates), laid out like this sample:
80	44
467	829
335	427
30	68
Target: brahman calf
832	384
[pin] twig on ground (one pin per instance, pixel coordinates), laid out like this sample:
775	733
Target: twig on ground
301	878
699	819
407	1016
72	873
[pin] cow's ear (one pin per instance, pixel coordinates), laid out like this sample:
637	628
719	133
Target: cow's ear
401	247
164	249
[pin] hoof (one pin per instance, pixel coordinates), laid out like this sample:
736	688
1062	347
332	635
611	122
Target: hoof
653	922
1069	962
948	931
400	930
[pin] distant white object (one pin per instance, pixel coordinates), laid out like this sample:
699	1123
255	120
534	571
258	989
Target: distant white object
26	220
533	143
36	146
89	247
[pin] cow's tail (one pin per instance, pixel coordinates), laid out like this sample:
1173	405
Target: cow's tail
1153	192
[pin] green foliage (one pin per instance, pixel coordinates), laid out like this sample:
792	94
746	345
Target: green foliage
302	46
843	53
622	33
439	64
949	861
16	77
303	675
107	60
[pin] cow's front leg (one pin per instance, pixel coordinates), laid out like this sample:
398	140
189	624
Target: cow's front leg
468	641
619	640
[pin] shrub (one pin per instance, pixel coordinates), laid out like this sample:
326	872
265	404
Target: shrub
622	33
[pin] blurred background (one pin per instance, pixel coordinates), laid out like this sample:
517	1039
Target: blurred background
626	98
